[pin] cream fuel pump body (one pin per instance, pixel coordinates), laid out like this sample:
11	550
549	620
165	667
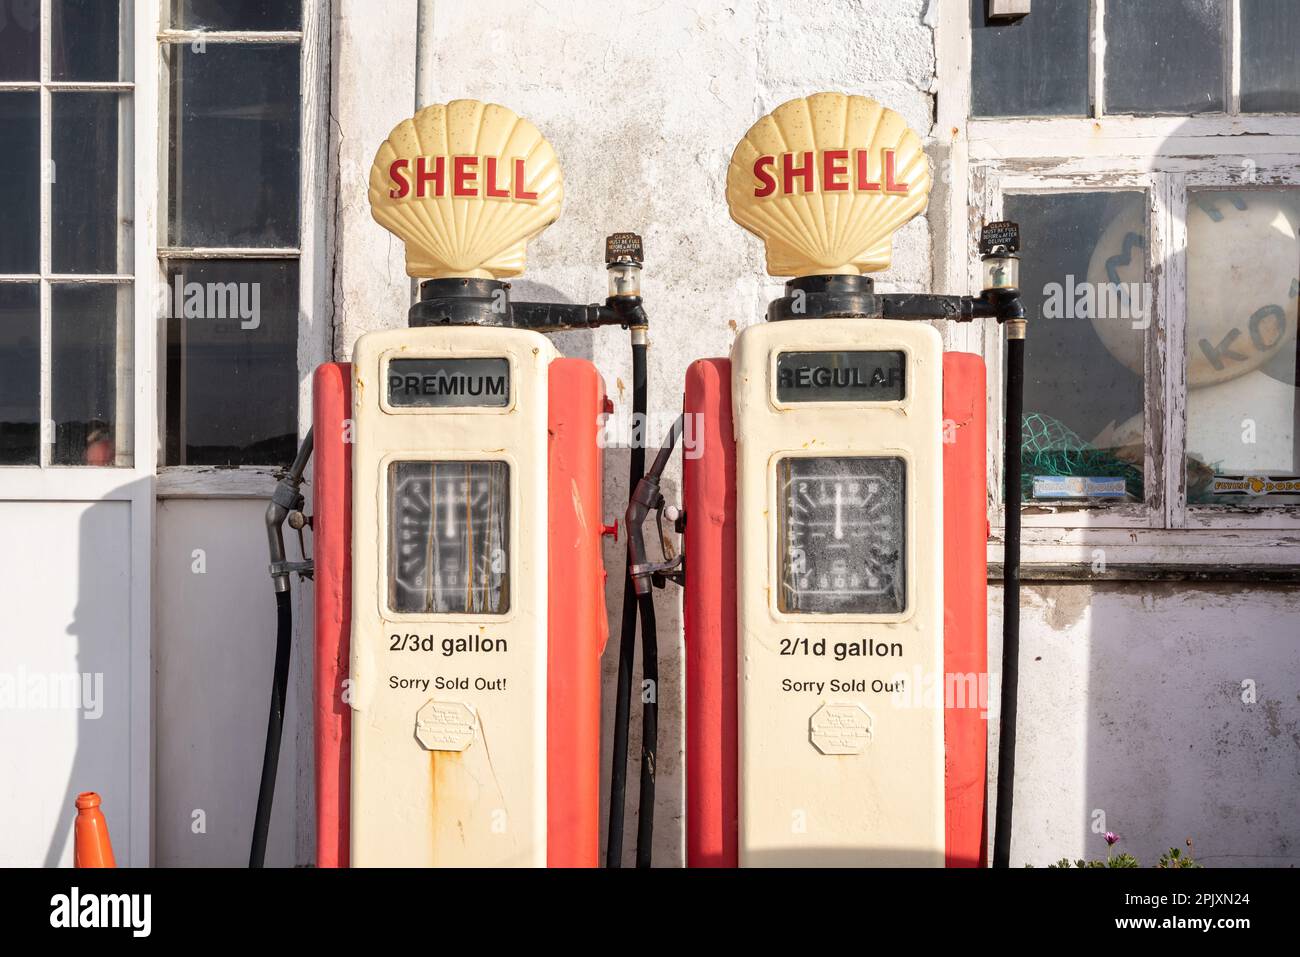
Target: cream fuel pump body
457	472
834	533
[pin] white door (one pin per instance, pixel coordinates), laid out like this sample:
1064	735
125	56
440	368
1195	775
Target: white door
76	427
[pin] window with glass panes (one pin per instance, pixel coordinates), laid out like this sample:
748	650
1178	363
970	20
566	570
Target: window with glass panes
230	199
66	270
1151	153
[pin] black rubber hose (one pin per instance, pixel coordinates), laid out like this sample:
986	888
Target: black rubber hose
627	638
1010	603
274	727
649	729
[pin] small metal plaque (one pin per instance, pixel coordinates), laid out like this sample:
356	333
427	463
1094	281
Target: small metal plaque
1002	233
624	247
840	728
448	383
866	376
445	725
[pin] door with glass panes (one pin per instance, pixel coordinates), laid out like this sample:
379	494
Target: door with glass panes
76	426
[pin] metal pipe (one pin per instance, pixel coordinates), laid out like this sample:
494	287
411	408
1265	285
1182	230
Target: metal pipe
649	729
274	727
1015	380
287	497
627	637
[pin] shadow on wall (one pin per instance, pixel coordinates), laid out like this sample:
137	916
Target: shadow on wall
90	660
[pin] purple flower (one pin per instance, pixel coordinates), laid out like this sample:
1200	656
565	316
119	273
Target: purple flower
1111	838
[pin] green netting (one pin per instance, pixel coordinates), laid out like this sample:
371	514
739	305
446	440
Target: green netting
1050	447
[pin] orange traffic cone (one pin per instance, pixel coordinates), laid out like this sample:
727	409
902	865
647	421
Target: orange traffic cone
92	846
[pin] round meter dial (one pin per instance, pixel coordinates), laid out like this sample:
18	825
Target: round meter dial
449	537
842	535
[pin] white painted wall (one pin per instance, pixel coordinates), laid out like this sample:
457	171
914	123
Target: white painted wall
1134	706
215	649
1129	688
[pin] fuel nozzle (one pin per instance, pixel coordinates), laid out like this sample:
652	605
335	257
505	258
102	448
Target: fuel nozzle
646	498
624	256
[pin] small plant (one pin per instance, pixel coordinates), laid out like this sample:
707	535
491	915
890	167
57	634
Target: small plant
1174	857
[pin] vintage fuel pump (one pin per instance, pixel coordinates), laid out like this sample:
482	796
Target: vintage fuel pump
457	492
835	522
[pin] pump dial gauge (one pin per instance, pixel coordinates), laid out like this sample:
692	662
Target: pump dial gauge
448	537
842	536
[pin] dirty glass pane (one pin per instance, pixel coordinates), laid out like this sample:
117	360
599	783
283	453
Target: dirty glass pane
1034	66
1164	56
20	40
92	346
232	370
235	14
20	373
234	149
85	35
843	528
1243	279
1270	56
20	187
449	537
1084	281
90	205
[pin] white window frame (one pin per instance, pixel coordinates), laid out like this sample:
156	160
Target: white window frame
313	252
986	158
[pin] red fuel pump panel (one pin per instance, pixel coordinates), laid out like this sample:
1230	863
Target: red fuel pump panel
709	496
577	626
965	612
331	490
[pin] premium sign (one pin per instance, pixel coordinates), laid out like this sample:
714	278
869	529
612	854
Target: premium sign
448	383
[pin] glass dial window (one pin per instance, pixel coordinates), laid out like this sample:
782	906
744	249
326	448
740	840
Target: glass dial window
449	537
842	535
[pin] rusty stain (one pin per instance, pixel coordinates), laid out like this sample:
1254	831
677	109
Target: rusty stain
442	765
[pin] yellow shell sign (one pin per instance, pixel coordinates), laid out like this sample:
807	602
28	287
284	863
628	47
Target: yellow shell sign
465	185
825	182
